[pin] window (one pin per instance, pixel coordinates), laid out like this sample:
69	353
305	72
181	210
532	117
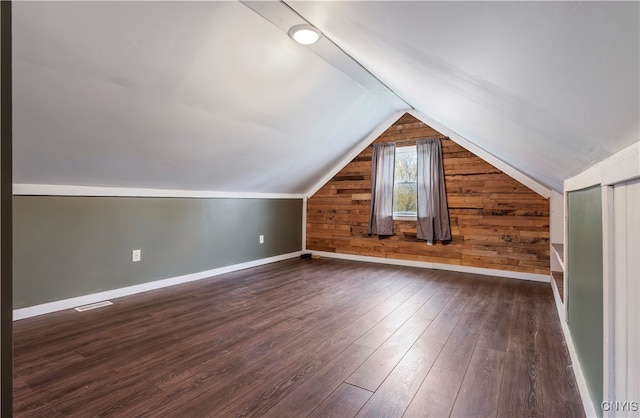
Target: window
405	183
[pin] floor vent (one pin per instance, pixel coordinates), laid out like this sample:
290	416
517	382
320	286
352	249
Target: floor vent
93	306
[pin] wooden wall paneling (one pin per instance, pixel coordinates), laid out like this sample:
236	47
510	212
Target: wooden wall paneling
496	222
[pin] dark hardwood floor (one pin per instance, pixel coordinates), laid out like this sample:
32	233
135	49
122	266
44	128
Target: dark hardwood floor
320	338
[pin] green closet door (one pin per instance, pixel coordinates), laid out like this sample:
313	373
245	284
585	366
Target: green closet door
584	299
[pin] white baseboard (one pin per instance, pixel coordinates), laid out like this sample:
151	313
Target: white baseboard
437	266
587	402
139	288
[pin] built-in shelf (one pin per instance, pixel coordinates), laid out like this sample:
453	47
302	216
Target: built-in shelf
558	252
558	278
557	270
557	228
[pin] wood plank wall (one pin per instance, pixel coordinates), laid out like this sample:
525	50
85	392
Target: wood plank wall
496	222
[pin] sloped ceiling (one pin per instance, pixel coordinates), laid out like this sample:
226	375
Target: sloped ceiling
211	96
548	87
176	95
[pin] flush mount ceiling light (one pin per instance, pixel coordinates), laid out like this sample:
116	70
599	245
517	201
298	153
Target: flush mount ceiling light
305	34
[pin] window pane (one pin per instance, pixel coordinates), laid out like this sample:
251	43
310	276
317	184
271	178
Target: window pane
404	198
404	188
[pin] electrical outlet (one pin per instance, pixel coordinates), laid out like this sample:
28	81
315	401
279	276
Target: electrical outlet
136	255
261	239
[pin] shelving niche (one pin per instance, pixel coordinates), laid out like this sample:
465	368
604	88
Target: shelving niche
557	218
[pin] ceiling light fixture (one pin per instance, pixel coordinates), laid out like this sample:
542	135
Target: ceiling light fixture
305	34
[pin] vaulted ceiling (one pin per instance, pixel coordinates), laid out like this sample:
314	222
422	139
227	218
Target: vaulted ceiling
214	96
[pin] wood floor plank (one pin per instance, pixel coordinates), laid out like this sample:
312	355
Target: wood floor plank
497	326
346	401
443	324
37	410
112	399
314	390
377	335
31	404
376	368
30	368
283	339
521	391
267	339
69	388
436	395
480	390
481	315
520	397
276	387
233	379
456	353
558	385
396	392
121	403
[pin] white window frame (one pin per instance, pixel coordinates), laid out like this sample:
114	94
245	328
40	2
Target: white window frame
404	216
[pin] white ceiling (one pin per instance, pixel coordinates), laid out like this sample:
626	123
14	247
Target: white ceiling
212	96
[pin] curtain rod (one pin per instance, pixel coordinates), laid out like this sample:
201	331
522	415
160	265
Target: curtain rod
417	139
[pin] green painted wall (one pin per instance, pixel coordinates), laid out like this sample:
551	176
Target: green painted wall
585	298
72	246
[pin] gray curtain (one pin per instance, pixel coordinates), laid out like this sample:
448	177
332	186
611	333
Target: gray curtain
433	214
381	213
